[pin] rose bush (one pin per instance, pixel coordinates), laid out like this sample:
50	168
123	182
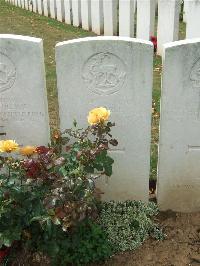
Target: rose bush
49	203
54	185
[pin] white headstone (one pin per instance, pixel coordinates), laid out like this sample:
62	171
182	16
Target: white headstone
60	10
179	148
76	11
52	8
30	5
193	19
23	100
145	19
86	14
97	16
115	73
185	9
68	11
46	7
40	7
110	10
34	5
126	18
168	22
27	4
135	6
20	3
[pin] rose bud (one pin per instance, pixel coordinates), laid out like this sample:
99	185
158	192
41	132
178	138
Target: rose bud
113	142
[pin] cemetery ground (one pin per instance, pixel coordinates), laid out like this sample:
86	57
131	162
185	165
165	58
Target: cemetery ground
182	243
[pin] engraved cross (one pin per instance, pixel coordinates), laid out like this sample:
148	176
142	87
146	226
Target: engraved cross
193	148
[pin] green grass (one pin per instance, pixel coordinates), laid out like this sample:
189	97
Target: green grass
15	20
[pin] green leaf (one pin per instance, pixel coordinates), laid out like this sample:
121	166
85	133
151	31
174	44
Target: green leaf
108	169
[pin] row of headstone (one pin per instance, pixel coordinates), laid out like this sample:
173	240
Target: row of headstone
168	20
179	148
101	16
115	72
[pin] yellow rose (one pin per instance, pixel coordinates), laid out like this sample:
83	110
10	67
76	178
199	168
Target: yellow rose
27	150
8	145
98	115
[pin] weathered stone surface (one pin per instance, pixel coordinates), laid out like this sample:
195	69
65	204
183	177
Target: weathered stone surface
23	100
126	18
52	8
168	22
97	16
86	14
27	4
76	12
110	17
46	7
145	19
40	6
68	11
185	10
179	148
193	19
60	10
116	73
34	6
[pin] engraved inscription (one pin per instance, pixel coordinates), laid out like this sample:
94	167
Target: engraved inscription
1	132
7	72
13	111
195	79
117	150
195	74
104	73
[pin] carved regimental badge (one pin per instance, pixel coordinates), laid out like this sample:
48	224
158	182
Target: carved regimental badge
104	73
7	72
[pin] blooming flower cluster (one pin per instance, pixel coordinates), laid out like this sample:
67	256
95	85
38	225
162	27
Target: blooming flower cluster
98	115
11	146
8	146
